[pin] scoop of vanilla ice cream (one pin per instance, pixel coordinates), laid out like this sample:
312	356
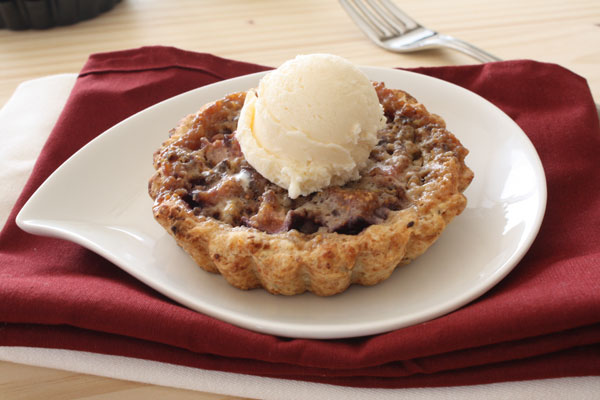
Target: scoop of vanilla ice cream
310	123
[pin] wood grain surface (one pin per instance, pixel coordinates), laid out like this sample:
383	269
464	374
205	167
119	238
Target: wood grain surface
270	32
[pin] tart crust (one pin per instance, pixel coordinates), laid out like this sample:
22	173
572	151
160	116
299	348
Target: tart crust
285	260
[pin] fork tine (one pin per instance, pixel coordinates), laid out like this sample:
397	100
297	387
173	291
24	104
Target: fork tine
370	28
397	26
375	19
389	27
400	15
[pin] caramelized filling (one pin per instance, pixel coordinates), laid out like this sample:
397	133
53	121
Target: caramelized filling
207	170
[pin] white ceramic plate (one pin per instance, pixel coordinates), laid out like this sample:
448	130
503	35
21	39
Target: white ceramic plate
110	214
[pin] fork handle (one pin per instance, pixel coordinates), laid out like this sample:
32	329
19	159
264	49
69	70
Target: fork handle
466	48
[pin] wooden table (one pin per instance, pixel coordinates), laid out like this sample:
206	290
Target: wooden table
270	32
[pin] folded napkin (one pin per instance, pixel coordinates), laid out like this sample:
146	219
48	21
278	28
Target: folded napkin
542	321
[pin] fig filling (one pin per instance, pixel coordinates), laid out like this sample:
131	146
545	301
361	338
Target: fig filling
207	170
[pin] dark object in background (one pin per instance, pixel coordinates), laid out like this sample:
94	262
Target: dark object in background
42	14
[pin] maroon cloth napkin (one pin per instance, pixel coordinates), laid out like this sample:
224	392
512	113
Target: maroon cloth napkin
542	321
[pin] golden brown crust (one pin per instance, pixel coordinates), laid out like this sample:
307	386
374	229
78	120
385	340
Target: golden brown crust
325	263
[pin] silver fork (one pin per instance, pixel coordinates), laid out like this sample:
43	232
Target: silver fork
391	28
